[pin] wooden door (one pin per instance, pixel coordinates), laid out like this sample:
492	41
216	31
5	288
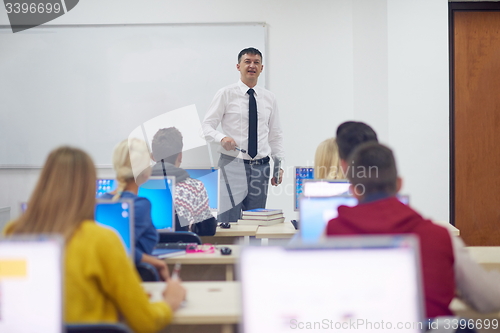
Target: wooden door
475	111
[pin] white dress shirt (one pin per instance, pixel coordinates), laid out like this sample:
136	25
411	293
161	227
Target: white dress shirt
230	109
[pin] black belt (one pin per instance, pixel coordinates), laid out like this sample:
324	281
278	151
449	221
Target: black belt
260	161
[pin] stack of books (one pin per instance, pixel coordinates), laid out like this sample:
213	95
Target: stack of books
262	216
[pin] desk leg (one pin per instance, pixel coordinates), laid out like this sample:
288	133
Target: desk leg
264	241
246	240
227	328
229	272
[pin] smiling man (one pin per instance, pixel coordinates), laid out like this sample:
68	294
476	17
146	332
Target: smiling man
251	135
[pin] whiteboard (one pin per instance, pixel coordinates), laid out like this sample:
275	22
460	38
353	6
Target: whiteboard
90	86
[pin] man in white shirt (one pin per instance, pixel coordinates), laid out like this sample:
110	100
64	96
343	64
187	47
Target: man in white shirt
250	138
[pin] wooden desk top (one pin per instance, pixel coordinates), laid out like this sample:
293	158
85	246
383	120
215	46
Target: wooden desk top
237	230
219	303
452	228
280	230
207	302
215	258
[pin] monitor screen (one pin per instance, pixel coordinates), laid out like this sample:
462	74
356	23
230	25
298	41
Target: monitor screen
105	186
210	179
315	212
119	216
332	289
325	187
31	291
160	191
301	173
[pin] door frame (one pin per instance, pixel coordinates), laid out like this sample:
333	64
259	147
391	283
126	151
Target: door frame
452	8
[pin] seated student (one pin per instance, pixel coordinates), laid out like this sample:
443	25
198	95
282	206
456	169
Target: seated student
191	200
100	282
351	134
445	262
135	153
326	161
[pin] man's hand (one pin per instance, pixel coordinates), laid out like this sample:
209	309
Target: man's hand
174	294
273	180
228	143
160	265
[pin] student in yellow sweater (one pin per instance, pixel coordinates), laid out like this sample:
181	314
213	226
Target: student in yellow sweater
101	283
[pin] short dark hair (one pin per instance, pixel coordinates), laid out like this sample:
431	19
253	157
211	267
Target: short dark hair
249	50
372	169
167	144
351	134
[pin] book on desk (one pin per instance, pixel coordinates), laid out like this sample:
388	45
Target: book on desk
262	216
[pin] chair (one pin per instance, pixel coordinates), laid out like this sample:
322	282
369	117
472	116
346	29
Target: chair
179	237
97	328
148	272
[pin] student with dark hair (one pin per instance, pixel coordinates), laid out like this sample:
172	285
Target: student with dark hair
251	135
192	212
351	134
100	282
446	266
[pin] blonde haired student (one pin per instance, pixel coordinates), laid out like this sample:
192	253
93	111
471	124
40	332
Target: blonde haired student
100	282
131	161
327	161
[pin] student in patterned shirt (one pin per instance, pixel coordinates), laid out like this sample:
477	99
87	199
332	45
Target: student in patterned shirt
191	200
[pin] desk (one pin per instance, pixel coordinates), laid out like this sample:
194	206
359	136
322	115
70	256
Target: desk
208	303
228	236
454	230
219	303
283	230
199	262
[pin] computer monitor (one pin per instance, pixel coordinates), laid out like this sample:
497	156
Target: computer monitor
105	185
301	173
351	283
161	193
316	211
210	179
325	187
31	286
119	216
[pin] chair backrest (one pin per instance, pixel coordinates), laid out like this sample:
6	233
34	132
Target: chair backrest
147	272
97	328
179	237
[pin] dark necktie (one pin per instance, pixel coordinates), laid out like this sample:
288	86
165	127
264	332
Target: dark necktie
252	124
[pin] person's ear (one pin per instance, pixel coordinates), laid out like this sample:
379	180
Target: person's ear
152	157
178	161
399	184
238	67
343	165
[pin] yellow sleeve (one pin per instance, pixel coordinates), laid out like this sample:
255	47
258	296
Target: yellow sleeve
121	282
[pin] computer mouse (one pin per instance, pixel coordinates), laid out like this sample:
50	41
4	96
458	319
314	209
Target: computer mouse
225	225
225	251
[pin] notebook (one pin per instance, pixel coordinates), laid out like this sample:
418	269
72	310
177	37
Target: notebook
31	286
353	284
119	216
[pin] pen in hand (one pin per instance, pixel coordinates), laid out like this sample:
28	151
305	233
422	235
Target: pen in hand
242	150
175	273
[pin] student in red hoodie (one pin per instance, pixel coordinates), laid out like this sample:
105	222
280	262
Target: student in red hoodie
446	265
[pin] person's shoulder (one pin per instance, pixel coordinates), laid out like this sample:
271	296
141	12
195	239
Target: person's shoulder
192	183
265	92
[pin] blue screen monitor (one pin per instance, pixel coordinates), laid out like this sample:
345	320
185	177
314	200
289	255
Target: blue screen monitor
301	173
105	186
160	191
315	212
118	215
210	179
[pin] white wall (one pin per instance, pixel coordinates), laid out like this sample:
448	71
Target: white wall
384	62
